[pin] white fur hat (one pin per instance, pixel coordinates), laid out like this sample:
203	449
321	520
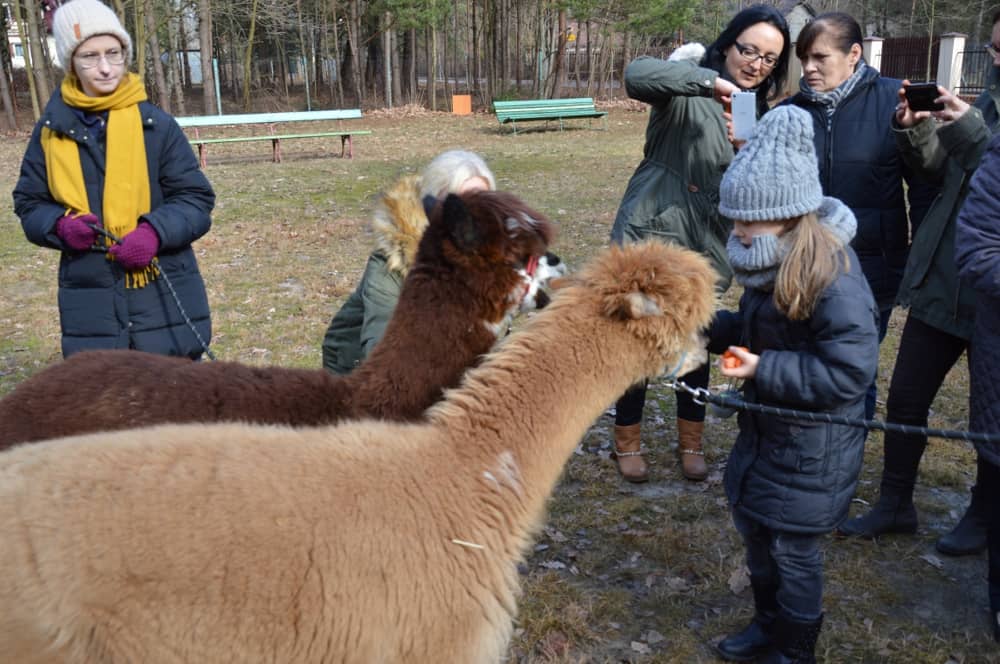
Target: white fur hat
79	20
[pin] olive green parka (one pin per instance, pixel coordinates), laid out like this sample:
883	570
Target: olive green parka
674	193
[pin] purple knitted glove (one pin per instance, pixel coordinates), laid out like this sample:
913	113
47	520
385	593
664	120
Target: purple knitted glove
75	232
137	248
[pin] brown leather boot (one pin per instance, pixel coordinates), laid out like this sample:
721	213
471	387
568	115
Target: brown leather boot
689	449
628	452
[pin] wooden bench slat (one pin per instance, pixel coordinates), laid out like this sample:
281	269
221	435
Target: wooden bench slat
270	120
266	118
270	137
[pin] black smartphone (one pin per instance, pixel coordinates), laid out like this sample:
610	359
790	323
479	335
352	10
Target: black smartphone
921	96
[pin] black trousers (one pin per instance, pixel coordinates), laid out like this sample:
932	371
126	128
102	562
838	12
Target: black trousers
628	409
926	355
989	483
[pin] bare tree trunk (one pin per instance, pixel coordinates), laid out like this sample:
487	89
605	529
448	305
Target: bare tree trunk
205	43
556	75
6	97
518	39
432	65
175	90
36	104
354	37
248	57
303	54
590	61
397	71
163	92
337	55
387	58
183	49
37	68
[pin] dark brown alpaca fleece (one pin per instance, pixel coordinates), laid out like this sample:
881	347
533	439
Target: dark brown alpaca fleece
464	283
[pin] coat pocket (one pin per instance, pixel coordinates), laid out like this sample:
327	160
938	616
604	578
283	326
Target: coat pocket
799	447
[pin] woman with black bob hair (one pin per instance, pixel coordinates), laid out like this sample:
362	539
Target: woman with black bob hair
674	193
718	51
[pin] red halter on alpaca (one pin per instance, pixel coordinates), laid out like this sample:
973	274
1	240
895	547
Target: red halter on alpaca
462	287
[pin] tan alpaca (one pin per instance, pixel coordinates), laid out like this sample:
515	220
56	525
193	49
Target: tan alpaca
364	542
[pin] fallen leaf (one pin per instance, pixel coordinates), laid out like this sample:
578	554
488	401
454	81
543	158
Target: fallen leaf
739	579
933	560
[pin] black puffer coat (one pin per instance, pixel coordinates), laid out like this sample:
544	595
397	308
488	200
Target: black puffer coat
977	243
790	475
860	165
96	311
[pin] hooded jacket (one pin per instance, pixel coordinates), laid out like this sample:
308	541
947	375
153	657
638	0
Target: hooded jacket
96	310
947	155
784	473
674	193
398	223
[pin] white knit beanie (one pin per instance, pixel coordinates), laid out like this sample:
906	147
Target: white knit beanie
775	175
79	20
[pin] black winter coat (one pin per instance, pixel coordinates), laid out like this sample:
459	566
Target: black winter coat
96	311
790	475
977	244
860	165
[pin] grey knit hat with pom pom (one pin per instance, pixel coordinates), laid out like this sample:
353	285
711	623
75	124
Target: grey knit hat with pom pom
775	175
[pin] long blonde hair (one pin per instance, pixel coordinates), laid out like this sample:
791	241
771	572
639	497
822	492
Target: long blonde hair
815	258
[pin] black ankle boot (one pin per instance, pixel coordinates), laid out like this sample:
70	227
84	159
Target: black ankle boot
893	513
794	641
968	537
755	639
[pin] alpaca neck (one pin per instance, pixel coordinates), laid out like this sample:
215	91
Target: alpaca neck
522	413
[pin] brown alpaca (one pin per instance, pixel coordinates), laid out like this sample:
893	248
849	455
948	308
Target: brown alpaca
467	279
365	542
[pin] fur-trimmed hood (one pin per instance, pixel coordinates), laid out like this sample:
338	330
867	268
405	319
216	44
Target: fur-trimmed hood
399	222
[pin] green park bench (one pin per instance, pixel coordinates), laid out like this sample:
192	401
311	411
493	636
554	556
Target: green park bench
546	109
270	121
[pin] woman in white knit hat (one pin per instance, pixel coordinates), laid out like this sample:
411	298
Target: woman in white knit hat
110	181
808	327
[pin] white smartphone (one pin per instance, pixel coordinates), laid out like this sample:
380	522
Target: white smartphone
744	114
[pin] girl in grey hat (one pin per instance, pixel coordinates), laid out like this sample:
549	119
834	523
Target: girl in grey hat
808	327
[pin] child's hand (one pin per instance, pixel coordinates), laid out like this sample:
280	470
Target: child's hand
738	362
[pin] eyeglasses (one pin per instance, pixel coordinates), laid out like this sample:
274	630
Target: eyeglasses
751	54
112	57
994	51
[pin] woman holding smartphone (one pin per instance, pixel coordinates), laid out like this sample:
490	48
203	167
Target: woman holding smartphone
674	193
945	147
852	107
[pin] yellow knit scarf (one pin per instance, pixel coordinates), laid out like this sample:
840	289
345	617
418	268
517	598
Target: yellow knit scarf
126	178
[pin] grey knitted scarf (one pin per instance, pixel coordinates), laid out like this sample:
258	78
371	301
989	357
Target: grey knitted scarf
757	266
829	100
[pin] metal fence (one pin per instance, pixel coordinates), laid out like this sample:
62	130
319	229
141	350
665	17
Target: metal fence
976	64
906	57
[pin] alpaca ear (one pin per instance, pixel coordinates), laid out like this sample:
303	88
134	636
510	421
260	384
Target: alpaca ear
639	305
464	230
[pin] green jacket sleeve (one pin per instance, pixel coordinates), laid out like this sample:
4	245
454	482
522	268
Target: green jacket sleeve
926	147
655	81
